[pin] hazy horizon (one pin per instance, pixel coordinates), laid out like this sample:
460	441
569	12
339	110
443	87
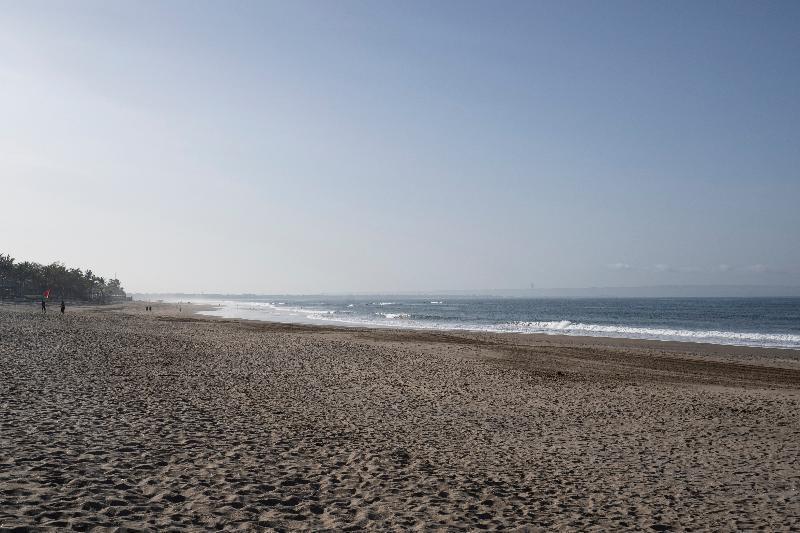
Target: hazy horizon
657	291
375	147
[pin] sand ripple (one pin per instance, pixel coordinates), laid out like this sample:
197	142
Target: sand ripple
124	419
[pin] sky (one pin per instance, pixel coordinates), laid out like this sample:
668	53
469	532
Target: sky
307	147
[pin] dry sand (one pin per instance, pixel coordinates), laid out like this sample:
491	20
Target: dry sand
115	418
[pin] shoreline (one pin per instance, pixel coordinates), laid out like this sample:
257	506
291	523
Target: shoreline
695	363
652	333
701	348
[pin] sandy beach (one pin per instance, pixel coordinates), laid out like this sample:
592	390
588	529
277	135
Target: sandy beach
114	418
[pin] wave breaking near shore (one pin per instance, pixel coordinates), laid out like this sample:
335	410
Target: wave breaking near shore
766	323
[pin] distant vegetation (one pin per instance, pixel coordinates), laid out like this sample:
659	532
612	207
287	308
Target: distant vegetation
31	280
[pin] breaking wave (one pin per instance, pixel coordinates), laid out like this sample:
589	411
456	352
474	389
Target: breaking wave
711	336
394	315
346	314
566	327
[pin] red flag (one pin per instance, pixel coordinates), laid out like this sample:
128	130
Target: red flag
46	293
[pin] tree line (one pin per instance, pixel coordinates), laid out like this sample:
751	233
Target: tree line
29	279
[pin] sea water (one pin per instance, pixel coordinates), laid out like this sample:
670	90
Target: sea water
769	322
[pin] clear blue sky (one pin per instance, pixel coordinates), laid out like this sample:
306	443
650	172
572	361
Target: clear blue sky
383	146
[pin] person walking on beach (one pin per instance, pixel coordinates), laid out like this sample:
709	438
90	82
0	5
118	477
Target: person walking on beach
44	306
63	307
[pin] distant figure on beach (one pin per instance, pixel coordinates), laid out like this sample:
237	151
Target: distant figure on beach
44	306
63	307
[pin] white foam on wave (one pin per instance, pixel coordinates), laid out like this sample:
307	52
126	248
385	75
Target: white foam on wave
711	336
566	327
263	310
394	315
273	311
303	311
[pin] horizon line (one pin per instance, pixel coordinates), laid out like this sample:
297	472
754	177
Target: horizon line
795	289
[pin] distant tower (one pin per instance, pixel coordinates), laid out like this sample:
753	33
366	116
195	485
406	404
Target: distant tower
532	286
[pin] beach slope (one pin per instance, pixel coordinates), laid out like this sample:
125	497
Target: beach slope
115	417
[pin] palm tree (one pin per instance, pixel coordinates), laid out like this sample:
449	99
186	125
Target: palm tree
32	278
6	266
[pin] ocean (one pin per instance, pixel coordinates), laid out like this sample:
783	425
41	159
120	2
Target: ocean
768	322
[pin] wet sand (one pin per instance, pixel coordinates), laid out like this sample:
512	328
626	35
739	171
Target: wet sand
114	417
